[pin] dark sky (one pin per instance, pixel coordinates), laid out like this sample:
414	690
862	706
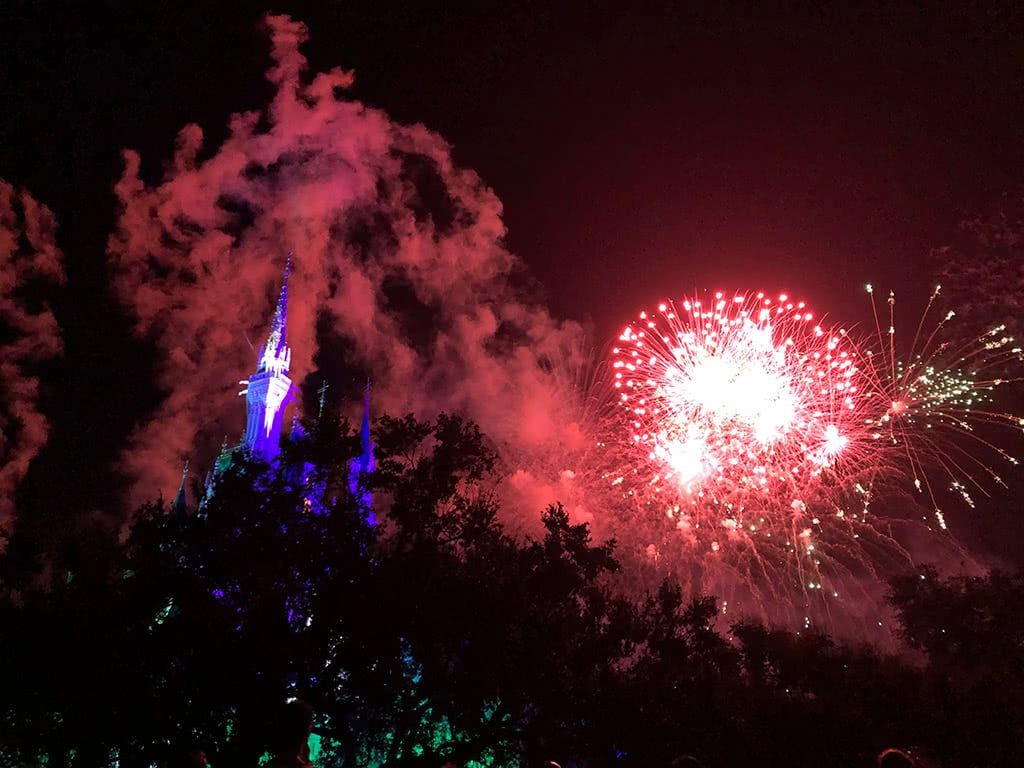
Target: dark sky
638	152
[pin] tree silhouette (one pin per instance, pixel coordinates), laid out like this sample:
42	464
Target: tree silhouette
436	636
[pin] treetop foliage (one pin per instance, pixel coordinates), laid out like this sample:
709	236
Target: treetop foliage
437	636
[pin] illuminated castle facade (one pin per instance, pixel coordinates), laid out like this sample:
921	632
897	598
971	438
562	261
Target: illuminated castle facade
268	392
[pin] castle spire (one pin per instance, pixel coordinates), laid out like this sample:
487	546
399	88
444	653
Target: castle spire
276	348
363	465
180	505
364	430
268	391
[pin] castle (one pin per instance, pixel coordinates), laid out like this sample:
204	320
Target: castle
268	391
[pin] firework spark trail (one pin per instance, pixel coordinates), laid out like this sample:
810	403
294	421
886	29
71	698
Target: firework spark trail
931	404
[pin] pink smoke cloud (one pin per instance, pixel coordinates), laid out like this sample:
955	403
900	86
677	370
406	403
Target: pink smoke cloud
29	258
372	210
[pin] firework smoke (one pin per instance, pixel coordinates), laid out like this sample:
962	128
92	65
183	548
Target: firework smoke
28	258
400	270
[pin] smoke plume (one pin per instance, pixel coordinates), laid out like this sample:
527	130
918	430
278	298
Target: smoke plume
400	271
29	334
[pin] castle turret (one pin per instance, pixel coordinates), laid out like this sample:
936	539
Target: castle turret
363	465
180	504
269	390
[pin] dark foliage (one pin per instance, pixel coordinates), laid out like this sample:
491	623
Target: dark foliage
435	636
982	272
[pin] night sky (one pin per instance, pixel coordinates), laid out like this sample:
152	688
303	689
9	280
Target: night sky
636	152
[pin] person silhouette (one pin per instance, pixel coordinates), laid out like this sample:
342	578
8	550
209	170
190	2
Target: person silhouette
288	743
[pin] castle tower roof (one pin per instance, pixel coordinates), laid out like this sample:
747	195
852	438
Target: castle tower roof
276	348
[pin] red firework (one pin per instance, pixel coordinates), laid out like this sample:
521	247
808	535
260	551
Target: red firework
741	402
749	426
752	439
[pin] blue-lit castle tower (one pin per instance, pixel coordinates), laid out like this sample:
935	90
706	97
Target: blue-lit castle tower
268	392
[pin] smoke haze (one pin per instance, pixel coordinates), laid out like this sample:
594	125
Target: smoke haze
29	334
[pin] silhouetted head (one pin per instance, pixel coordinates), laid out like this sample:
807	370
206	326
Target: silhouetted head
686	761
895	758
289	732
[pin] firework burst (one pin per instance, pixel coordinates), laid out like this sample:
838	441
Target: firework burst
763	449
739	401
747	419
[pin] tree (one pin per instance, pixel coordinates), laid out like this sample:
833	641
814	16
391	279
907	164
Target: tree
434	635
982	272
971	631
